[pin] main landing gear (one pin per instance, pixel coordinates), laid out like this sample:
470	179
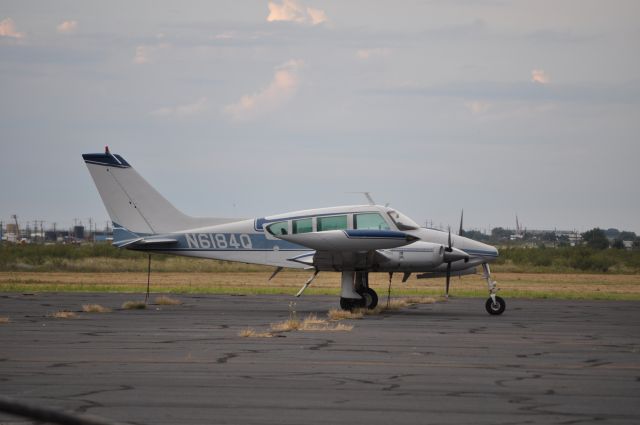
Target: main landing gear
495	305
356	292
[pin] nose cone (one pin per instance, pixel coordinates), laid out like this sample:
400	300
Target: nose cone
480	249
490	251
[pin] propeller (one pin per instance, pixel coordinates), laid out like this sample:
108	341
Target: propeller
448	249
450	255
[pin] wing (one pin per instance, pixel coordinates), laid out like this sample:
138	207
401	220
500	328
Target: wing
346	248
350	240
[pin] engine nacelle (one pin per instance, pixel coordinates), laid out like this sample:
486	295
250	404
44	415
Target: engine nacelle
419	256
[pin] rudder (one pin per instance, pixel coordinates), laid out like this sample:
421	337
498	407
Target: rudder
132	203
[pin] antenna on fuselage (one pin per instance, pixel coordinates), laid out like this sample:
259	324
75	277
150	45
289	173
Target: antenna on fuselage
368	196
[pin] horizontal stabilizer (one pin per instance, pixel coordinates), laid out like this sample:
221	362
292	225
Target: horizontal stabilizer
140	242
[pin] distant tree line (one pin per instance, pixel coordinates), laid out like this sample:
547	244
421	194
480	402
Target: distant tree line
595	238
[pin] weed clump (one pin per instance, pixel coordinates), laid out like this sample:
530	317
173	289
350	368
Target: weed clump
64	315
95	308
134	305
335	314
166	300
252	333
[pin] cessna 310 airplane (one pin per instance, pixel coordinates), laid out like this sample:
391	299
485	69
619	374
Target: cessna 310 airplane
354	240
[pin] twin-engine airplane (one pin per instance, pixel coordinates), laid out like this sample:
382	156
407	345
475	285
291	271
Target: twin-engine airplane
354	240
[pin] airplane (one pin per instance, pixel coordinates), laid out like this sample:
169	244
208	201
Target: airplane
354	240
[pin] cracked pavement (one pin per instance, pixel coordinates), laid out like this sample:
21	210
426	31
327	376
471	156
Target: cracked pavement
543	361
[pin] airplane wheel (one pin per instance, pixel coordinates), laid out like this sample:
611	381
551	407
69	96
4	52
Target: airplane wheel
495	308
370	298
349	304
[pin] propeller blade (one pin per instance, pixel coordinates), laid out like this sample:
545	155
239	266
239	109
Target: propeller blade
446	288
449	237
461	230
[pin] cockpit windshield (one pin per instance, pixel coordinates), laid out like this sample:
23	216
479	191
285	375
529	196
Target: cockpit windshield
402	221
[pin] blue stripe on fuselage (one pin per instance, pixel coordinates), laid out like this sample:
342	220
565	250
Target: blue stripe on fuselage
481	253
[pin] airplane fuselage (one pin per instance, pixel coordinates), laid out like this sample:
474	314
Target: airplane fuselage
250	241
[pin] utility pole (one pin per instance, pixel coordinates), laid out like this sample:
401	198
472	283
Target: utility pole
15	218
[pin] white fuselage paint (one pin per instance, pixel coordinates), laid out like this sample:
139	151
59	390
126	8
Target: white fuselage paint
247	241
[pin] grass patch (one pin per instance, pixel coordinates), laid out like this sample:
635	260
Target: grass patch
134	305
310	323
4	320
252	333
166	300
522	285
394	304
286	325
336	314
95	308
313	323
64	315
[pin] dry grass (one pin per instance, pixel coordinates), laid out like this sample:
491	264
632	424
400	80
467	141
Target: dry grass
394	304
310	323
166	300
335	314
528	285
286	326
4	320
252	333
64	315
95	308
313	323
421	300
134	305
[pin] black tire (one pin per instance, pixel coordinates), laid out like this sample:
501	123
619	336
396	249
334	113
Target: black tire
370	298
349	304
497	308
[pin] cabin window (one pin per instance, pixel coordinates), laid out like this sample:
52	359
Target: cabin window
369	221
304	225
336	222
278	228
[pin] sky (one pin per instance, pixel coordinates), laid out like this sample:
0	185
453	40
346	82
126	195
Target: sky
251	108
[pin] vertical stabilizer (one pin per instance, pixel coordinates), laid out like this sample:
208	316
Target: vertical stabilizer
132	203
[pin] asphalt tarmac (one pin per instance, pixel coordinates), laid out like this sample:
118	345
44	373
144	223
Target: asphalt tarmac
543	361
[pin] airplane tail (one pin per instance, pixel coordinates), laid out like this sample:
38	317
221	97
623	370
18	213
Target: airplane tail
134	206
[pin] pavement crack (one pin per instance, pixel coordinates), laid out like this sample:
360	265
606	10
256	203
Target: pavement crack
226	357
502	382
88	393
324	344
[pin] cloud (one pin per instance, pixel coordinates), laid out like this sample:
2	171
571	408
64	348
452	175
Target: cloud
281	89
144	53
477	107
364	54
539	76
190	109
292	11
8	29
67	27
591	93
316	16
